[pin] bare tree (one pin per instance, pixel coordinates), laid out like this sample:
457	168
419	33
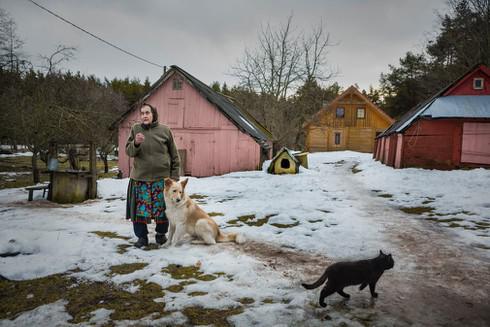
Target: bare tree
61	54
284	60
11	56
315	50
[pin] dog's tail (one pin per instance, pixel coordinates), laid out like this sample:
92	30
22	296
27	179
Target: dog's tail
230	237
319	282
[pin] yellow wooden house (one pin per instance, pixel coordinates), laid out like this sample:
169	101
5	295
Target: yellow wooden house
350	122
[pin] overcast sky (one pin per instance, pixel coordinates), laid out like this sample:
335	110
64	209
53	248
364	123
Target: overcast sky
207	37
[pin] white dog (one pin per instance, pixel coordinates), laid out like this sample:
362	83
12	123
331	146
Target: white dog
186	217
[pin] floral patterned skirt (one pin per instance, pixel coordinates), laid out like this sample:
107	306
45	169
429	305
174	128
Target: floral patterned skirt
146	202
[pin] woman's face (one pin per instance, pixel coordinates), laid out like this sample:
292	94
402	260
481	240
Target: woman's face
146	115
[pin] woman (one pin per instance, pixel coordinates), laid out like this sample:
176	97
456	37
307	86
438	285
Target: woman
155	158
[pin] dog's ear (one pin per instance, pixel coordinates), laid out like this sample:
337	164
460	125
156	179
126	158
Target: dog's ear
184	183
168	182
381	252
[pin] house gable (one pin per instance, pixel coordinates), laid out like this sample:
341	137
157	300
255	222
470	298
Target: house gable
351	102
465	86
186	107
203	118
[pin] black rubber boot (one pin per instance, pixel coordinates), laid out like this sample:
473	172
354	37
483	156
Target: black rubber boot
160	238
142	241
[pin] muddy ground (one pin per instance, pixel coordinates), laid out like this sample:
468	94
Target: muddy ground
437	280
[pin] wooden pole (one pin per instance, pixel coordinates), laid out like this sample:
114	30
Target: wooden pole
92	191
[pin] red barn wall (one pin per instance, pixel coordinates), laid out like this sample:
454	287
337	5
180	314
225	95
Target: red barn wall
381	149
437	144
390	158
432	144
399	151
375	149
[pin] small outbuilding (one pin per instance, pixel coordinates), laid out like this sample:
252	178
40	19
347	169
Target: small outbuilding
449	130
287	161
213	134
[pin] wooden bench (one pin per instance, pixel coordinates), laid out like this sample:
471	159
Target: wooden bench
31	190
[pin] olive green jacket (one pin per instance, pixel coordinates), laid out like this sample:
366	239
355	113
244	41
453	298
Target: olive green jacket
157	157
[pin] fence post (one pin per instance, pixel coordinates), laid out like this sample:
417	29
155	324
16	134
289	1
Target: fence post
92	190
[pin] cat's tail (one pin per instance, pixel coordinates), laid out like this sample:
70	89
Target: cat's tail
319	282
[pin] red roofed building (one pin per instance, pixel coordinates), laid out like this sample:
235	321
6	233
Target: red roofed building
449	130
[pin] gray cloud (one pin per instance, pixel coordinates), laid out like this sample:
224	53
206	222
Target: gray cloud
207	37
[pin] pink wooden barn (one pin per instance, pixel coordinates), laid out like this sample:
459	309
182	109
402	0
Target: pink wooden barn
212	134
449	130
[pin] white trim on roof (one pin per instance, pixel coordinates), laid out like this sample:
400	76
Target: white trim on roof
409	121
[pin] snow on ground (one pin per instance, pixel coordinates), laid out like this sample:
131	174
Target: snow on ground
315	211
17	154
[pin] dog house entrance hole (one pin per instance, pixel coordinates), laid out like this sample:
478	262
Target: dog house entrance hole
285	163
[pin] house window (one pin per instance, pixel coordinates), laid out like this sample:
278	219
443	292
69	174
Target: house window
478	83
177	84
337	138
340	112
361	113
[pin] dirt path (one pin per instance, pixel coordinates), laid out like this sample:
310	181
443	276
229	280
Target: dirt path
437	280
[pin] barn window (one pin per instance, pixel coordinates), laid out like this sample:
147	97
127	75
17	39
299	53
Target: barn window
285	164
177	84
361	113
337	138
478	83
340	112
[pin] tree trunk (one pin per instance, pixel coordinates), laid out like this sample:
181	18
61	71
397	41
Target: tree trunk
297	139
106	164
35	169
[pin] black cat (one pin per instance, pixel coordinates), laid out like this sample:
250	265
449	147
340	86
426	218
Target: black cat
342	274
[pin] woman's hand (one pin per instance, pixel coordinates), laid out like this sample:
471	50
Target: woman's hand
139	138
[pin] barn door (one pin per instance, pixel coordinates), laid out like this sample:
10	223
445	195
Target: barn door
173	116
202	154
476	143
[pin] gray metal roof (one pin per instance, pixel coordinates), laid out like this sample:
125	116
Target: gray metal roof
467	106
452	106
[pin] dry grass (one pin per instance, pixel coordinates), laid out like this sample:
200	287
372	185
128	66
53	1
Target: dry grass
82	298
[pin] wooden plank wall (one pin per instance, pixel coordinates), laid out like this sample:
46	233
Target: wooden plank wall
430	144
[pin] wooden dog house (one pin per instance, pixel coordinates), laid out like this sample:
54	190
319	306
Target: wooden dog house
287	161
